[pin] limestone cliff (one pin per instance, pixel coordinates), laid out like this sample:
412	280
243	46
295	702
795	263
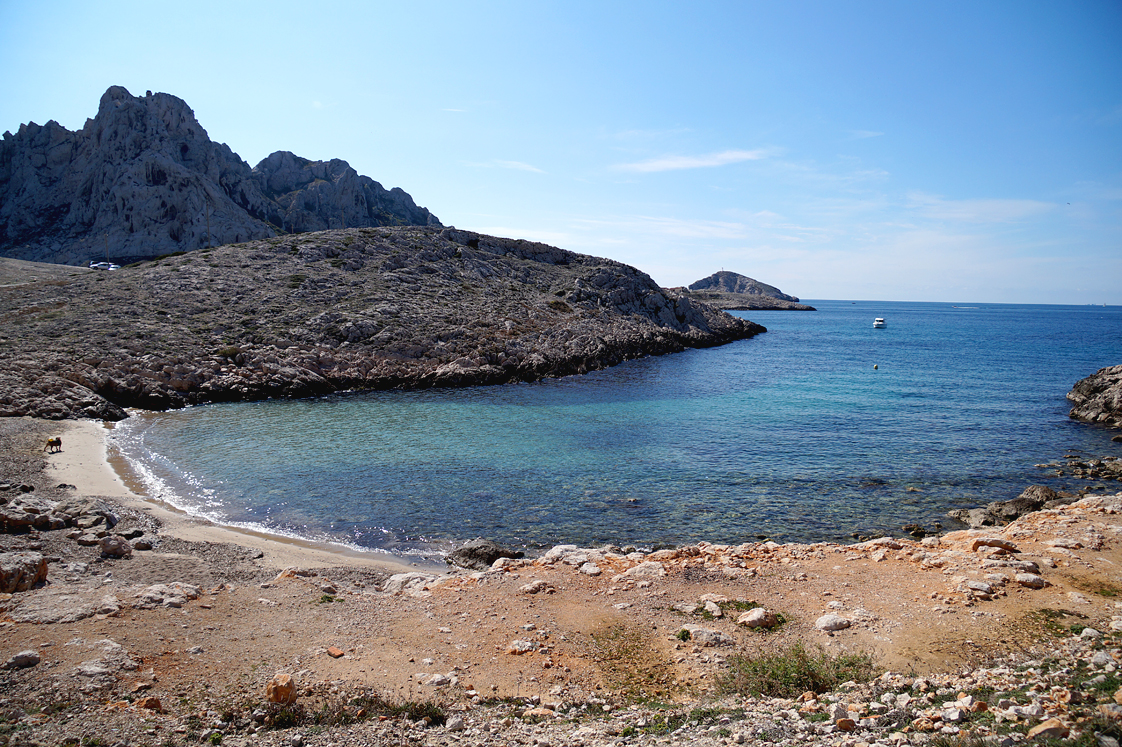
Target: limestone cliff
143	178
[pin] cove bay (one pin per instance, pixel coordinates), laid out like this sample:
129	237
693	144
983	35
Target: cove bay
822	429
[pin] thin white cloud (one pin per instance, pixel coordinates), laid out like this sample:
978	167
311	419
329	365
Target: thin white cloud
977	211
649	134
862	134
675	163
647	225
553	238
499	164
518	166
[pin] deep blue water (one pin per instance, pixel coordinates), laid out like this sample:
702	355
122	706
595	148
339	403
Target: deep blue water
792	435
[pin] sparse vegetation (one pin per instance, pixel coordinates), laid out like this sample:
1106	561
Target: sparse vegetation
635	670
792	670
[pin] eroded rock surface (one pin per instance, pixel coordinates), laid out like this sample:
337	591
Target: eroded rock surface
1098	398
143	178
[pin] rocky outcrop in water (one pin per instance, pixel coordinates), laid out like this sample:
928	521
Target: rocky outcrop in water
1098	398
142	179
999	513
729	290
311	314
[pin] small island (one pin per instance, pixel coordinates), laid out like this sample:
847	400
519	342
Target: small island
734	292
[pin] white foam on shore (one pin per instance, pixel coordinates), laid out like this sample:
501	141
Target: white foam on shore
156	472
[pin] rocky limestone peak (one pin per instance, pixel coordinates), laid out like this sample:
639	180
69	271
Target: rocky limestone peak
731	282
317	195
143	178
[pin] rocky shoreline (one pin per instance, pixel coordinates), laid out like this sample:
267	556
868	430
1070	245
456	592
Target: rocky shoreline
1098	398
1004	635
310	314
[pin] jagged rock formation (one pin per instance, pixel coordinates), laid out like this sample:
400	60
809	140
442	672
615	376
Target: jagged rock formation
142	179
1098	398
729	290
310	314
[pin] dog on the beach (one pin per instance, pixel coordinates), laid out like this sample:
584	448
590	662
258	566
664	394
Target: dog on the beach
53	444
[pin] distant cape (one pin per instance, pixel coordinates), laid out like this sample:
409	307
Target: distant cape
143	178
729	290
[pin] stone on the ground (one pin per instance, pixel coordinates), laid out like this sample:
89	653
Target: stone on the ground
758	618
174	594
1053	728
281	689
707	636
996	542
1031	580
22	660
831	623
537	585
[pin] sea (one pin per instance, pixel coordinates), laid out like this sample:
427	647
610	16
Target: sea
821	429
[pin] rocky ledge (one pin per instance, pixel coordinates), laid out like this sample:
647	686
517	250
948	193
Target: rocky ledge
315	313
1098	398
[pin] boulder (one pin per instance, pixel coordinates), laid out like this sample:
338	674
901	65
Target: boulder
480	554
22	660
20	571
411	584
115	546
1033	498
646	569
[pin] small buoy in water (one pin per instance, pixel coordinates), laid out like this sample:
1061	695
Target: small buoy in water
876	366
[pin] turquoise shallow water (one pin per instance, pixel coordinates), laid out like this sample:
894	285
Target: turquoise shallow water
791	435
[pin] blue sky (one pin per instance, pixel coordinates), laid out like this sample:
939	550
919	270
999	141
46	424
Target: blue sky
927	151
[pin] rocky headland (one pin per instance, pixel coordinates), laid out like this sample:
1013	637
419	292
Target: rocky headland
310	314
735	292
1098	398
142	178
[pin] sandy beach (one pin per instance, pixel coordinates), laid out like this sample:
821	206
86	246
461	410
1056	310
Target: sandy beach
90	463
206	618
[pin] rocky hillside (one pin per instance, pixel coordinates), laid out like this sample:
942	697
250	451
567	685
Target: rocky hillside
142	178
1098	398
309	314
728	290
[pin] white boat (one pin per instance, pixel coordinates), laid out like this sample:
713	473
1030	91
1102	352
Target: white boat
878	323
